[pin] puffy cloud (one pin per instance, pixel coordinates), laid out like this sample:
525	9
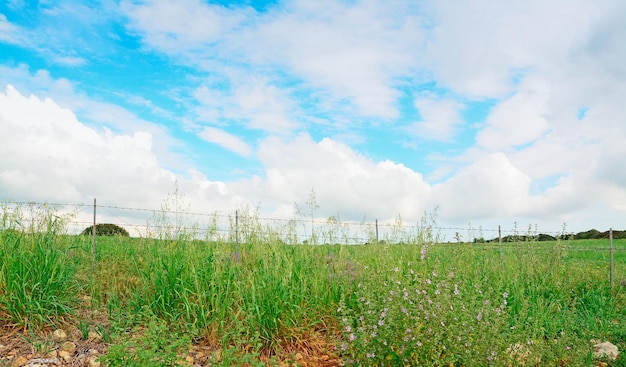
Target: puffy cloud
549	149
490	187
344	181
519	120
47	154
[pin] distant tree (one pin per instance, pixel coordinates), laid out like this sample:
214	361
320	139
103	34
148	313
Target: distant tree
587	235
545	237
106	229
619	234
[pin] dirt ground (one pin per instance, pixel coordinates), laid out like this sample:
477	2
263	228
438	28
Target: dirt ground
50	348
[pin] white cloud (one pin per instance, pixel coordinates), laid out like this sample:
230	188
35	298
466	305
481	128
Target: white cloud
345	182
226	140
480	48
440	117
64	33
70	60
519	120
490	187
252	103
182	25
9	32
47	154
353	63
352	52
92	111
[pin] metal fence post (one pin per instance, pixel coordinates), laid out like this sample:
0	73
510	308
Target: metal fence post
500	242
93	232
611	256
377	231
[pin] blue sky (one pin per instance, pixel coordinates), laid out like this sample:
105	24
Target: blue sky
492	112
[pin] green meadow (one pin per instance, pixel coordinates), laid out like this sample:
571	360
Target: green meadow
157	302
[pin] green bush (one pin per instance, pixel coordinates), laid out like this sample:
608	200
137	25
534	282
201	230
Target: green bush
106	229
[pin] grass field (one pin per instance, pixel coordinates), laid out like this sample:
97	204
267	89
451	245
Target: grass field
186	302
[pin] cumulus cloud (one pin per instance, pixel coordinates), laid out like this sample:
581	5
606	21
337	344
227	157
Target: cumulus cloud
345	181
490	187
518	120
548	148
47	154
92	111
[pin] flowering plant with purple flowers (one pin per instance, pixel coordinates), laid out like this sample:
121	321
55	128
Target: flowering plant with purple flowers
405	316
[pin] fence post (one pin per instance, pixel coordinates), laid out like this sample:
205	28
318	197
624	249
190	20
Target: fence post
611	256
236	235
500	242
93	232
377	231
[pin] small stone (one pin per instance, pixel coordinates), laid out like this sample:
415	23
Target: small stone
94	336
605	350
93	361
299	357
59	335
69	347
19	361
65	355
325	357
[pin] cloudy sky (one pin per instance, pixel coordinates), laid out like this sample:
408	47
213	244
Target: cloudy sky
487	112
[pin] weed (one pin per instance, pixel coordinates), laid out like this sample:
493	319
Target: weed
151	342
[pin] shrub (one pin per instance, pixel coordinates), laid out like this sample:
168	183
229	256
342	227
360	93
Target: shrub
545	237
590	234
106	229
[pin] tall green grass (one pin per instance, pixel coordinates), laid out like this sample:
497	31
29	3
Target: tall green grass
37	284
418	303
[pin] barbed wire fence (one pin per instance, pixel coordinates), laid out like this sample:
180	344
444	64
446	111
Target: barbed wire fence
246	225
249	224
